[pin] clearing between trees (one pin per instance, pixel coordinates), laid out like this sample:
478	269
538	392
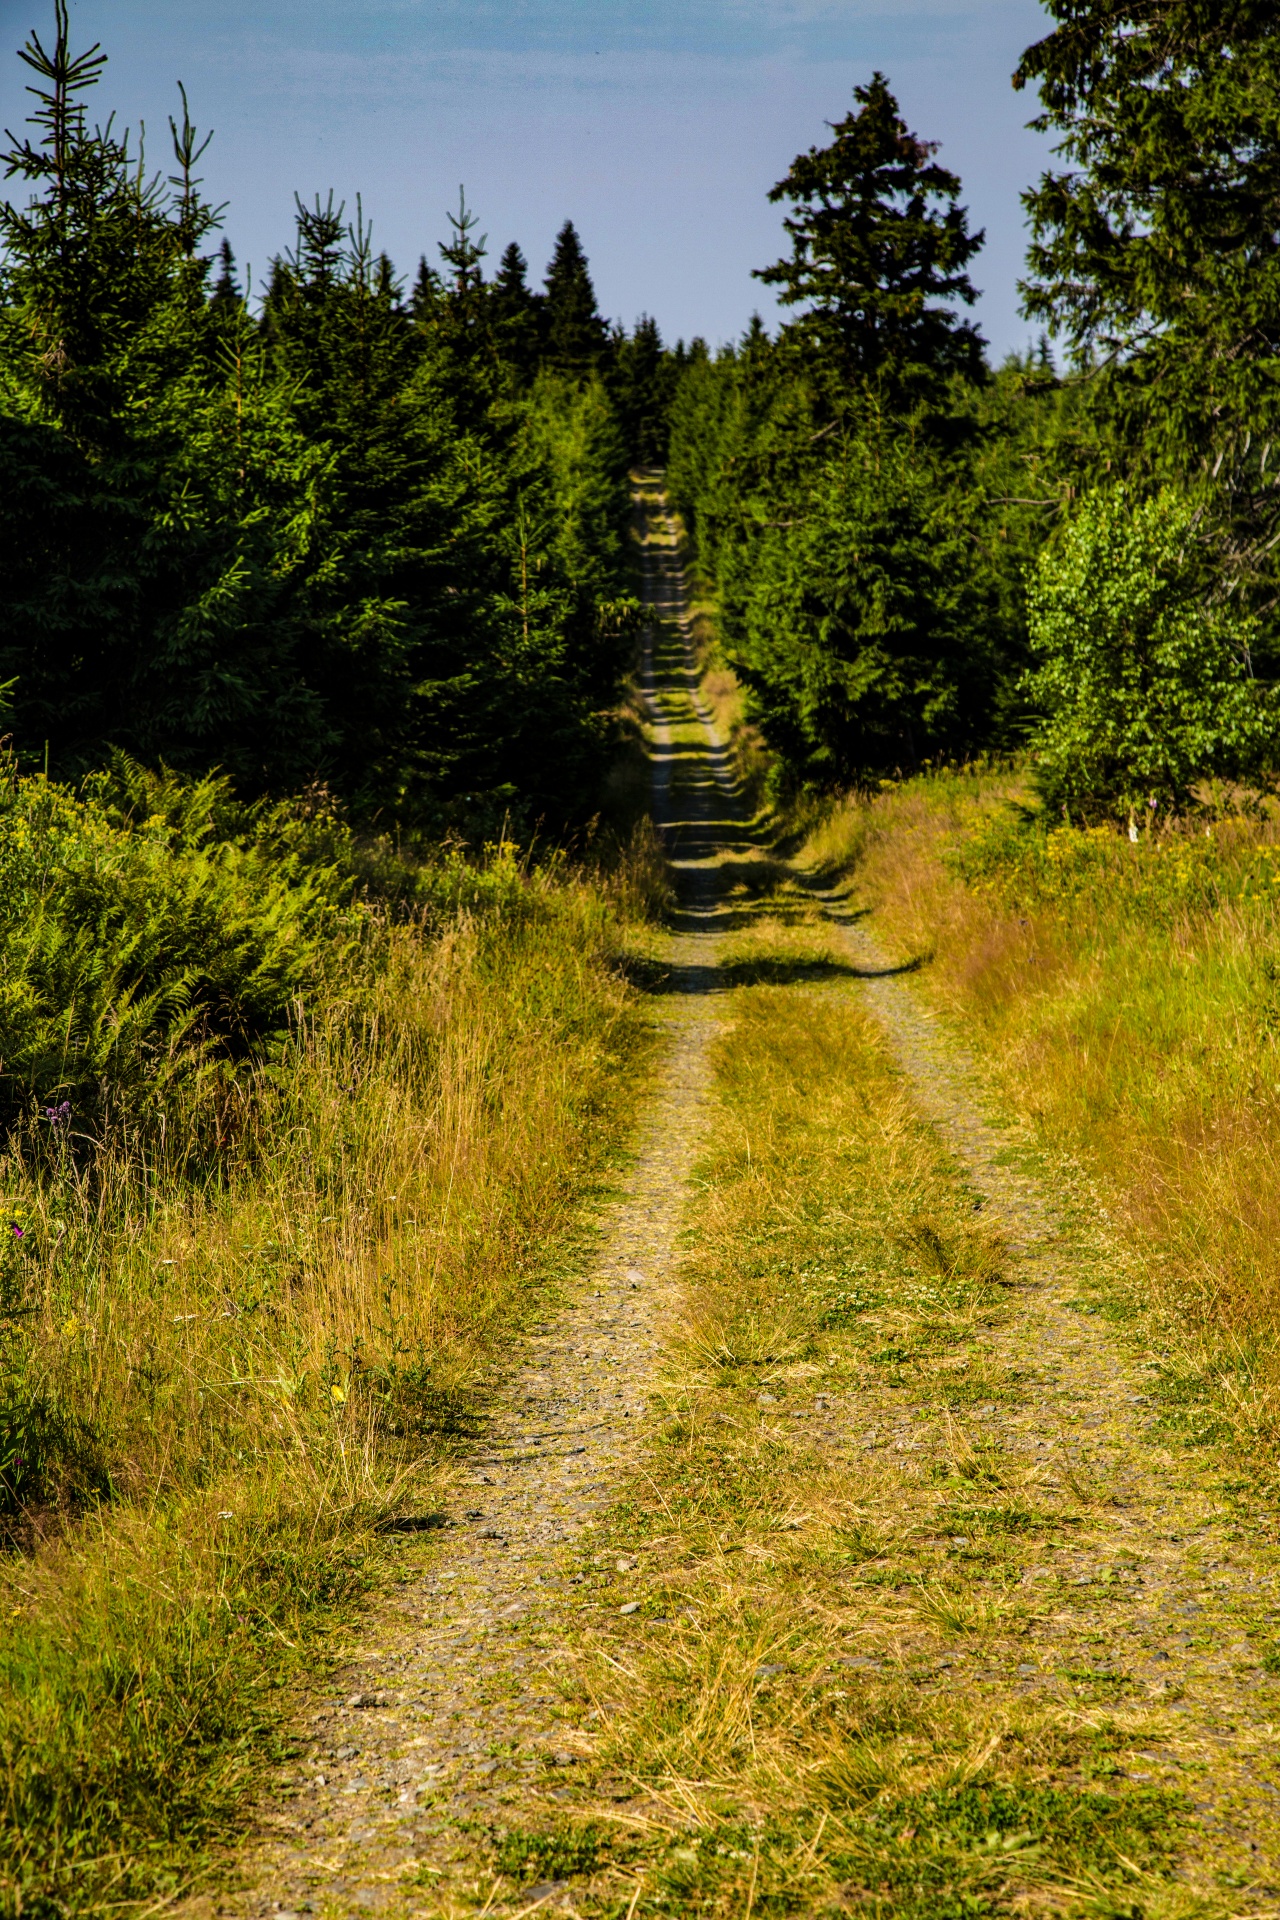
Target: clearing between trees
827	1549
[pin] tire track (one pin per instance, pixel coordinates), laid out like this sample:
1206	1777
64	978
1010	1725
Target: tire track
447	1709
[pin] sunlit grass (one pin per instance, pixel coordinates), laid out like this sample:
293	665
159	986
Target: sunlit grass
1126	996
796	1729
216	1391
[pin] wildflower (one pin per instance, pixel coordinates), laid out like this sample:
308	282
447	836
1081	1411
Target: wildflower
17	1231
338	1395
58	1116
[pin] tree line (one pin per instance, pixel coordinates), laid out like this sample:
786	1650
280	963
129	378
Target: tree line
919	557
356	532
373	535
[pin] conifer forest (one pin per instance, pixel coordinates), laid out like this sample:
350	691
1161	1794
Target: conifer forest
639	993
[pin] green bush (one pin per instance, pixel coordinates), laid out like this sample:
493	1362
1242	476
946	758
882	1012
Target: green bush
1144	686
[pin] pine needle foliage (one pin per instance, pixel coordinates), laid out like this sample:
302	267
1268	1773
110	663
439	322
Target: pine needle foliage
880	246
294	542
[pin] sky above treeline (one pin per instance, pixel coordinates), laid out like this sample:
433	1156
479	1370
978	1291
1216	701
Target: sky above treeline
657	126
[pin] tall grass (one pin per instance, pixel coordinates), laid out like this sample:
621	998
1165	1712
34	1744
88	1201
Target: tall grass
1129	996
225	1364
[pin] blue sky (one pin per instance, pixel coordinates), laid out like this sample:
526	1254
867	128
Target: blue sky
657	126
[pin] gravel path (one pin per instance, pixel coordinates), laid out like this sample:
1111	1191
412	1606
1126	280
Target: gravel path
446	1720
450	1699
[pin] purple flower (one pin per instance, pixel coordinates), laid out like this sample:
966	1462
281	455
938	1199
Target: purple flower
18	1231
58	1116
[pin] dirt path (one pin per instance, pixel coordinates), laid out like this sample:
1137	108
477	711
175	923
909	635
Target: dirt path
1155	1596
1152	1617
451	1700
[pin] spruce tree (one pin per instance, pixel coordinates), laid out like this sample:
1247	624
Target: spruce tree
1156	249
428	291
226	289
149	486
323	542
879	248
574	335
516	313
641	380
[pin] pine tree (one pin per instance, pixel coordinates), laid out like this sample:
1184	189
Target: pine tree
428	292
226	291
879	247
642	381
1156	251
517	313
143	510
574	334
326	541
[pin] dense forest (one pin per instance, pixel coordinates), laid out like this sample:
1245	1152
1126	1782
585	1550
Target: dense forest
350	532
373	536
919	558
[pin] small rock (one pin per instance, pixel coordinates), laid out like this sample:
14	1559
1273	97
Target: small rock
632	1606
763	1673
368	1700
545	1890
766	1399
624	1566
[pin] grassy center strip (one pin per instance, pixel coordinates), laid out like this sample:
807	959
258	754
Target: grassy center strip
814	1671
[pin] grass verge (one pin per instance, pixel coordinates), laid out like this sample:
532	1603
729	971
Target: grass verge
219	1387
1125	999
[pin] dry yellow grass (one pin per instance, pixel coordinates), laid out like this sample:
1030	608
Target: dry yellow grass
229	1386
1123	998
874	1667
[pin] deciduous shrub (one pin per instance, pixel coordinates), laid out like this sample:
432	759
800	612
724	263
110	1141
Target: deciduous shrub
1144	686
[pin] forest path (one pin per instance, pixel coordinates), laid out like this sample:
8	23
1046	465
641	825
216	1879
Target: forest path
1062	1582
449	1699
